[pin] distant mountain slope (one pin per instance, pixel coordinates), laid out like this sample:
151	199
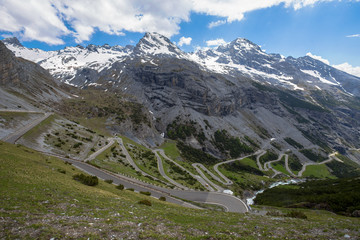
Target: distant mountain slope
260	98
24	80
239	57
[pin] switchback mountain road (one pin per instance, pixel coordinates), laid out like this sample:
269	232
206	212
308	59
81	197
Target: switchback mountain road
162	172
331	158
197	177
197	167
230	203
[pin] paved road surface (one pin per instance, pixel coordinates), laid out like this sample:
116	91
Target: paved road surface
95	154
331	158
18	110
197	177
287	166
197	167
228	181
258	160
231	203
162	172
12	138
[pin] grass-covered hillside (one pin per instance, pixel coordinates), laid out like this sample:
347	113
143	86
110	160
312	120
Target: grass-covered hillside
40	200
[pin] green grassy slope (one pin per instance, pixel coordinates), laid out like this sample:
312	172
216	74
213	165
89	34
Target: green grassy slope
40	200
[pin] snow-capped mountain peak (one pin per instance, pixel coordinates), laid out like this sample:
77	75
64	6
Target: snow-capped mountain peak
82	65
157	44
12	41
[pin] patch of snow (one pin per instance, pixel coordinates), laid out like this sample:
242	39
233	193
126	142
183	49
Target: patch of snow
317	75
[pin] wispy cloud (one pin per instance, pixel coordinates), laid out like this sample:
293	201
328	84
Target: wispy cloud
184	41
216	23
215	42
354	36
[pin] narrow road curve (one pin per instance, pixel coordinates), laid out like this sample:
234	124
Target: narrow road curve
197	177
12	138
331	158
131	161
258	160
197	167
162	172
95	154
287	166
267	165
128	157
226	180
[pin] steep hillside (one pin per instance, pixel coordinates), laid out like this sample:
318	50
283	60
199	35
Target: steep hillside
23	83
40	199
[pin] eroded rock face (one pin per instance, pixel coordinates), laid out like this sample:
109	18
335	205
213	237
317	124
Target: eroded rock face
27	78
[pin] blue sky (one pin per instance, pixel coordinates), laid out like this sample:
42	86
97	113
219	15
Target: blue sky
291	28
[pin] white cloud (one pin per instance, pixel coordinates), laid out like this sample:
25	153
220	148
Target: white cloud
184	41
34	20
50	20
353	36
215	42
346	67
318	58
217	23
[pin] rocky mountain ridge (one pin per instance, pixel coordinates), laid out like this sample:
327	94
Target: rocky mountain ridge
258	97
22	79
240	57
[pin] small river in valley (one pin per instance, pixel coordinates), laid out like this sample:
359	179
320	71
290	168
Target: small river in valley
250	201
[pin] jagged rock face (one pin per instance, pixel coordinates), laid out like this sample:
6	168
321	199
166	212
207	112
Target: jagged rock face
13	41
27	78
9	74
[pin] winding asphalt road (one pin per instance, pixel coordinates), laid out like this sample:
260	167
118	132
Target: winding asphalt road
162	172
287	166
197	177
197	167
12	138
331	158
258	160
230	203
98	152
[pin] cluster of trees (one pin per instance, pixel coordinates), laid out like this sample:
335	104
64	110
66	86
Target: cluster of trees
268	156
341	196
229	144
313	156
241	167
180	131
195	155
293	143
86	179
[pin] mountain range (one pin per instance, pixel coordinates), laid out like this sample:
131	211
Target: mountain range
236	89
